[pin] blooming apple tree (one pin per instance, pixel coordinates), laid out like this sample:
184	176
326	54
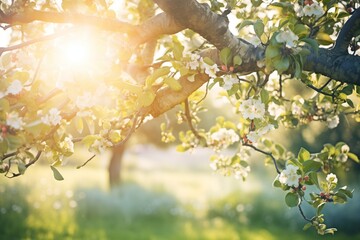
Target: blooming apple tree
84	72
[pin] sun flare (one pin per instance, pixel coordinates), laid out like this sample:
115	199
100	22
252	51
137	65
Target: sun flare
76	53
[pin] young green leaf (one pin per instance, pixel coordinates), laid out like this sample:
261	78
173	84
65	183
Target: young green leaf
57	174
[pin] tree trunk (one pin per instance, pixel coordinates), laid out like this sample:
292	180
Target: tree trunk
114	167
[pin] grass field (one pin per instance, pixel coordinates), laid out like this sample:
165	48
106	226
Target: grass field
164	196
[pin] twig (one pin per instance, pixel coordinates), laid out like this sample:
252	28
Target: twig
189	118
302	213
26	165
86	162
206	93
266	153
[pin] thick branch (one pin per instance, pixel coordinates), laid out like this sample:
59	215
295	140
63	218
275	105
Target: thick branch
214	28
30	15
347	32
344	68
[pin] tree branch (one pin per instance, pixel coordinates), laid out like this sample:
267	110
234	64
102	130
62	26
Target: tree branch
347	32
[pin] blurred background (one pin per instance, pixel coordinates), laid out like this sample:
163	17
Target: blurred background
163	194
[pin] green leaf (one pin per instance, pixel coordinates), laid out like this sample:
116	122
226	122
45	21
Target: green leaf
292	199
259	28
300	30
314	178
237	61
324	39
307	226
173	83
225	56
346	192
57	174
311	165
281	64
157	74
353	157
303	155
272	51
147	98
312	42
276	183
264	95
320	208
244	24
178	51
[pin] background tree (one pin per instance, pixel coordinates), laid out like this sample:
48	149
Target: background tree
109	84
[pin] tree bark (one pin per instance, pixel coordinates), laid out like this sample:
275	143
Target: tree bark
114	167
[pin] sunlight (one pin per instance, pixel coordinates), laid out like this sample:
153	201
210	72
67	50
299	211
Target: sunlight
76	53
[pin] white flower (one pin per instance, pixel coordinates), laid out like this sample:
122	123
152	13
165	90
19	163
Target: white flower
289	176
345	148
342	157
275	110
253	136
311	10
241	171
229	81
15	88
67	145
333	121
331	178
100	145
254	40
223	138
252	108
52	118
287	37
194	62
13	120
210	70
296	109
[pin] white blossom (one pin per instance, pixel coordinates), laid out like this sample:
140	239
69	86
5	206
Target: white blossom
210	70
13	120
67	145
253	136
100	145
194	62
331	178
229	81
333	121
289	176
287	37
345	148
254	40
252	108
14	88
223	138
275	110
311	10
240	171
52	118
296	108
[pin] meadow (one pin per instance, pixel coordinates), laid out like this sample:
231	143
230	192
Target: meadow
164	195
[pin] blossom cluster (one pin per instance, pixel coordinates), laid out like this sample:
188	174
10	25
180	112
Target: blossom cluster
197	61
223	138
252	108
288	37
223	165
289	176
311	9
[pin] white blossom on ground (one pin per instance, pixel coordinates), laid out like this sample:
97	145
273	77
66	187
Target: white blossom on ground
289	176
229	81
252	108
14	88
287	37
13	120
276	110
52	118
333	122
223	138
331	178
